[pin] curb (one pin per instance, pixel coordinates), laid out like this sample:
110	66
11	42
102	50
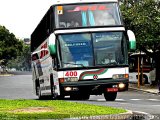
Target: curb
121	116
143	90
4	75
139	115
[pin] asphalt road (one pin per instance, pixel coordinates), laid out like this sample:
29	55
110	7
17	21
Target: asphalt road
20	87
131	100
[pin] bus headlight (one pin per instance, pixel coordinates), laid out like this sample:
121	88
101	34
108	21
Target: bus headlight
71	89
120	76
121	85
67	88
71	79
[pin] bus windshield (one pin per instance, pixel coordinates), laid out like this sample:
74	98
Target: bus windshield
144	61
93	49
73	16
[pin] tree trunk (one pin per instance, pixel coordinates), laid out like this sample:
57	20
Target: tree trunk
157	66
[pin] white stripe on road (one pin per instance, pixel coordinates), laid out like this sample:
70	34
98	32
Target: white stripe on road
155	105
101	100
115	100
154	99
135	99
120	100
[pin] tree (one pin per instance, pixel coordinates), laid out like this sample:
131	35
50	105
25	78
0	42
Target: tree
23	60
143	17
26	57
10	47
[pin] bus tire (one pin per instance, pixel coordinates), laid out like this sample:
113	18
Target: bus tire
51	84
53	94
60	97
40	97
86	96
74	96
110	96
145	79
36	85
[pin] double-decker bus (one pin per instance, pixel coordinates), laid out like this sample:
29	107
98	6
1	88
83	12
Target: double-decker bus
80	48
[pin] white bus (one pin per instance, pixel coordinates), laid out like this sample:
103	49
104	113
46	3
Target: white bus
146	71
79	49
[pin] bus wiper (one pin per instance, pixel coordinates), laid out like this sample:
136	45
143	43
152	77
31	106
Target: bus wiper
76	64
112	63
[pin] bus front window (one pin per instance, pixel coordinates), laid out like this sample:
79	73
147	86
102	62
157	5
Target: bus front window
93	49
76	50
110	48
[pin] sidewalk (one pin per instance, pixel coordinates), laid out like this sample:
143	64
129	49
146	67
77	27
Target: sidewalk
8	74
146	88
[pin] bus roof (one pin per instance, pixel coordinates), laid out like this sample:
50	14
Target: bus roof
56	2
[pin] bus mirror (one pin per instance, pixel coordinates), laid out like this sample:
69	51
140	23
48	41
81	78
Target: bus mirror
132	40
52	46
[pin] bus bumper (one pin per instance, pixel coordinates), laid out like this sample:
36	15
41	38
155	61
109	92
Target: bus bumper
95	87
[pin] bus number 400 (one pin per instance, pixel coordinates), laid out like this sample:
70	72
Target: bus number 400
71	73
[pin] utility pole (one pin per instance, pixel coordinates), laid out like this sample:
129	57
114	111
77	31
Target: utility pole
138	72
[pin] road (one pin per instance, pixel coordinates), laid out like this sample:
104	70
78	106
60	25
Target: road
131	100
20	87
17	86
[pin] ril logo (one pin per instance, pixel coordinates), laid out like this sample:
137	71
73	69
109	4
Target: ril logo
95	77
44	50
86	8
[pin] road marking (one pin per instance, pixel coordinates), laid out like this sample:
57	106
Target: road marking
101	100
154	99
135	99
155	105
115	100
120	100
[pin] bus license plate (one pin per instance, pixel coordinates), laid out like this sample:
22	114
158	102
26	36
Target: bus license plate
112	89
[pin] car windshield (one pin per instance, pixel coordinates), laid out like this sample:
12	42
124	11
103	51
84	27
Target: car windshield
93	49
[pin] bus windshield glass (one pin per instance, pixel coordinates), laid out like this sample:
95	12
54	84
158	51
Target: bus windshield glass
85	15
93	49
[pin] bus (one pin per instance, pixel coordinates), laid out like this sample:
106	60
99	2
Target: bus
80	48
146	68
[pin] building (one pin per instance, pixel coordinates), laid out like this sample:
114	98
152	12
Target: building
27	41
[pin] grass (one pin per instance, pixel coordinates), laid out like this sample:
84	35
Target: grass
50	109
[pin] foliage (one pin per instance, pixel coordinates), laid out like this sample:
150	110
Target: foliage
20	109
143	17
26	56
10	46
23	61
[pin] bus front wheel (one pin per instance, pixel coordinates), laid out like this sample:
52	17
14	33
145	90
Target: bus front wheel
110	96
86	96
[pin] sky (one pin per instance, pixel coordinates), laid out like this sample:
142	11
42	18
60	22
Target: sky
21	17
